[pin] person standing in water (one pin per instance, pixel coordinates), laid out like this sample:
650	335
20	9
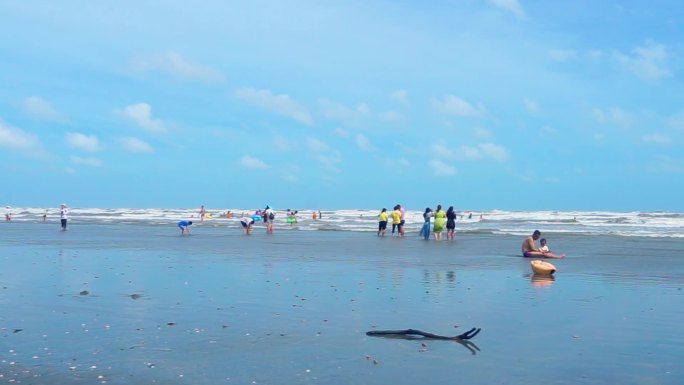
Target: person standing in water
396	220
8	213
63	215
247	223
440	218
402	220
382	222
202	213
451	223
425	230
183	225
269	216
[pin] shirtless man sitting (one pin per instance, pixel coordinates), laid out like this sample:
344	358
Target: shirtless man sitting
530	250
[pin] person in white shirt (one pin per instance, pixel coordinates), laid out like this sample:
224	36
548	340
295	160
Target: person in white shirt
247	223
269	216
544	248
63	215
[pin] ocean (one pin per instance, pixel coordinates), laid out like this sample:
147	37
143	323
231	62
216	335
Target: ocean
121	298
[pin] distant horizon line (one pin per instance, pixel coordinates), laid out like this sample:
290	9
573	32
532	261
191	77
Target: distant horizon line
209	208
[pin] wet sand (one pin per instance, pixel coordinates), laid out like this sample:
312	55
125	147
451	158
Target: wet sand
141	305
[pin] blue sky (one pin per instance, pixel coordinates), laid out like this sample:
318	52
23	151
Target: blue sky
479	104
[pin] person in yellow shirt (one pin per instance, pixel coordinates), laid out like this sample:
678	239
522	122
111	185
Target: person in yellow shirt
382	222
440	219
396	220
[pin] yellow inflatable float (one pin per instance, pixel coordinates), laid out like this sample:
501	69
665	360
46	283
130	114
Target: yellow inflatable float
542	267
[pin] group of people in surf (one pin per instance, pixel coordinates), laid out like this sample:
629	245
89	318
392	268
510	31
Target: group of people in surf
447	219
441	217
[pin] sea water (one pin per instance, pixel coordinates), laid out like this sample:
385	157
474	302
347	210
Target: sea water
132	302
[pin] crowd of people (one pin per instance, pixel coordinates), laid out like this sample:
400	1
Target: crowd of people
434	223
441	218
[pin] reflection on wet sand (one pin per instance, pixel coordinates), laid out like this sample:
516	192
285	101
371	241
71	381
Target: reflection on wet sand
541	280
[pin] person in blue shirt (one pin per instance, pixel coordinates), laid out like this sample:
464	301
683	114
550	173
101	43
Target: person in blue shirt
183	225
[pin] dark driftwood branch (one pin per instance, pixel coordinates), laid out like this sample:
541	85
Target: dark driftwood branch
411	334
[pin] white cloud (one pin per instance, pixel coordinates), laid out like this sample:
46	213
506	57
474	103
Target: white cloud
284	144
666	164
363	143
329	161
511	6
548	130
177	66
252	163
341	132
648	62
531	106
484	151
82	141
563	55
676	121
391	116
482	133
441	151
595	54
453	105
40	109
141	115
93	162
657	138
136	145
16	139
316	145
291	172
345	114
614	116
400	96
440	168
327	157
280	104
493	151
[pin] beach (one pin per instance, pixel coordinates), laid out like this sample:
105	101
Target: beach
132	302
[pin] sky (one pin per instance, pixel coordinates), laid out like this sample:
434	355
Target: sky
479	104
